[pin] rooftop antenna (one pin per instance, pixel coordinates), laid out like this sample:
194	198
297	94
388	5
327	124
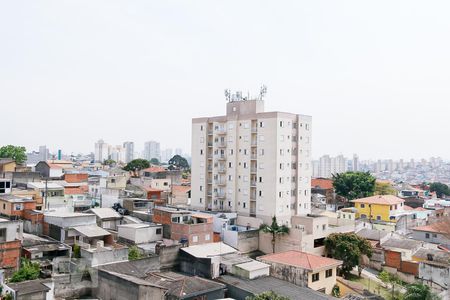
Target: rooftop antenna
227	95
262	92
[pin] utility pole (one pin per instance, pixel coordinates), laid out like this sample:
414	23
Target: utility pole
46	193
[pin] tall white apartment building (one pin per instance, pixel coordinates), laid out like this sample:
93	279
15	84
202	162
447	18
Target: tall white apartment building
252	162
326	166
129	151
117	153
101	151
152	150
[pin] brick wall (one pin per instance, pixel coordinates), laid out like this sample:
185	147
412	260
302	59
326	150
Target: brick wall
10	254
393	259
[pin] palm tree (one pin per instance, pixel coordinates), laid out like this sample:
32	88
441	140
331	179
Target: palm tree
275	230
419	291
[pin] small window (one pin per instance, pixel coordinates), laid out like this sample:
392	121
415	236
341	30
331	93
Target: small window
158	230
329	273
315	277
195	238
427	235
378	218
207	237
362	205
434	235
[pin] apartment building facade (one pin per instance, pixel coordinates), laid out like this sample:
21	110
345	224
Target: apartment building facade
252	162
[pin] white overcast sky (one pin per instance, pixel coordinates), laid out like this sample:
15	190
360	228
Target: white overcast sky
375	75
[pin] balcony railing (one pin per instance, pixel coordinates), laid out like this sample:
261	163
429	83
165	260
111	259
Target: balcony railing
253	156
253	170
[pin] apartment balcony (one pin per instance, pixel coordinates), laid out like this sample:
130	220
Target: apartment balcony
221	131
222	157
252	212
221	144
253	170
210	144
253	156
210	132
209	181
254	129
209	169
219	195
222	170
210	156
253	184
209	193
254	143
220	182
253	197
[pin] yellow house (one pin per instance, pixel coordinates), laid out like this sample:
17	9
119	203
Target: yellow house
386	208
303	269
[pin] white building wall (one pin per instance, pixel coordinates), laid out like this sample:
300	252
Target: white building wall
260	163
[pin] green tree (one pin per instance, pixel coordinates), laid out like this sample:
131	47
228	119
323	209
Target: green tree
275	230
134	253
76	251
354	185
28	271
178	162
384	188
349	248
14	152
419	291
137	164
155	161
109	162
441	189
267	296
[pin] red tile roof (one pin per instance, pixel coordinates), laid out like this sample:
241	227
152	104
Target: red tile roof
429	228
406	207
322	183
180	188
380	199
301	259
154	169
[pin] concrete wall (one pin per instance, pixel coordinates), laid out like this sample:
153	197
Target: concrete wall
63	222
101	256
435	275
323	282
112	287
287	273
244	241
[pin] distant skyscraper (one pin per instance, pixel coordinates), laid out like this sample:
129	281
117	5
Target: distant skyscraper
117	153
166	155
43	153
327	166
152	150
129	151
355	163
101	151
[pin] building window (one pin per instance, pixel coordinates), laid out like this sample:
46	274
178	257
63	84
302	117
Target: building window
207	237
201	200
201	127
261	124
281	124
195	238
201	188
315	277
362	205
427	235
3	235
244	204
434	235
329	273
158	230
363	216
378	218
201	152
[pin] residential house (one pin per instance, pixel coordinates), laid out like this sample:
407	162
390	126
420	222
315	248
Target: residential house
303	269
430	234
25	290
241	288
215	259
7	165
141	279
324	187
434	268
52	194
142	233
185	226
180	195
53	168
10	244
43	251
14	207
385	208
107	218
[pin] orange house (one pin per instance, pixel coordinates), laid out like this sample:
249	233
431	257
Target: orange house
14	207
